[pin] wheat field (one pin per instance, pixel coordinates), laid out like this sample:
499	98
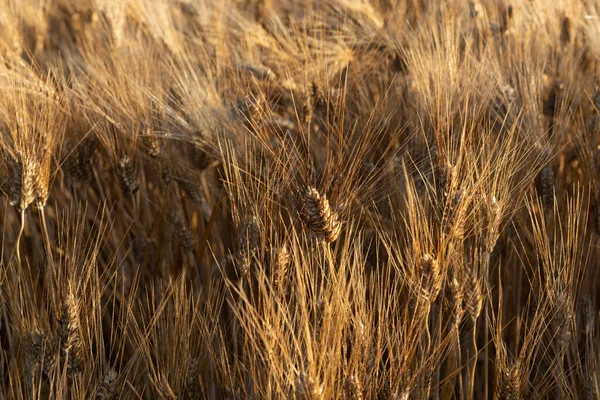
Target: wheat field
299	199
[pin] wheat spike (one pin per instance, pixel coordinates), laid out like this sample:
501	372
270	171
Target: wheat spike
69	335
23	183
78	160
431	277
193	384
260	72
353	388
565	32
182	231
588	316
107	390
163	164
188	181
280	261
551	102
321	219
40	351
248	243
163	389
127	176
561	327
455	289
150	144
404	395
545	185
475	297
41	183
590	376
510	383
308	389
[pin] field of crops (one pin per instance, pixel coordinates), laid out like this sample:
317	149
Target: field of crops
299	199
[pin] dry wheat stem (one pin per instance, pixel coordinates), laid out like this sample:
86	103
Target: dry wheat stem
17	249
46	234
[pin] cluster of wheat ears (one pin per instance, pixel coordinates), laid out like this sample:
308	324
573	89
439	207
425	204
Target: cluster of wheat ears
336	199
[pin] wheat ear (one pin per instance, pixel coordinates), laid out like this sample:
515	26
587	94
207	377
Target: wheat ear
321	219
